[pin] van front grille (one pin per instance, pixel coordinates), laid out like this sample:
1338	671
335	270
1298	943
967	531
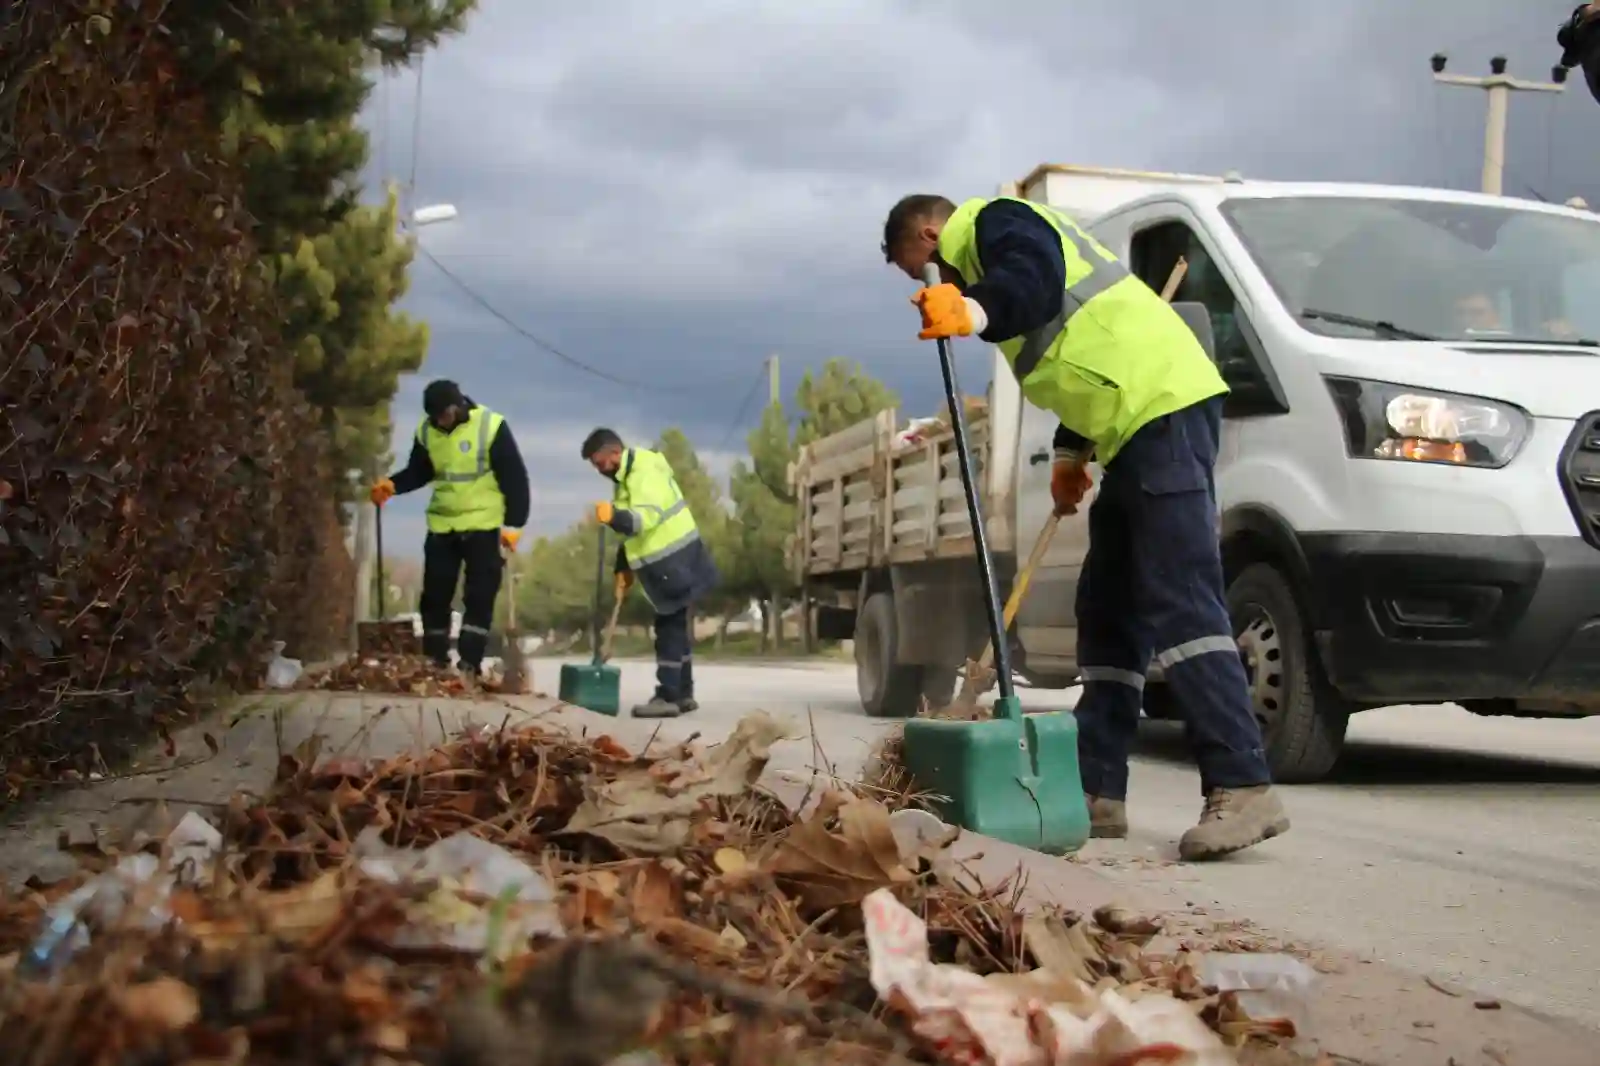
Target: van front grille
1580	475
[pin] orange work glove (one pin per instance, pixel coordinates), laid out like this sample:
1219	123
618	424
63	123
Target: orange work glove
382	491
509	538
947	313
1069	483
603	512
624	582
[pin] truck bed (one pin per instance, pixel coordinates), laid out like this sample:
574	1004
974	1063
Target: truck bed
869	497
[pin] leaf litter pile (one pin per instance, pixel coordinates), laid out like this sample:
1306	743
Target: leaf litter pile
401	674
521	896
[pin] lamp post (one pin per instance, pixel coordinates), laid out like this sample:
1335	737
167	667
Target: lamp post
366	516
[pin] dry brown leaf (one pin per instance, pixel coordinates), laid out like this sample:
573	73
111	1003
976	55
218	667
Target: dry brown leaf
839	869
165	1003
655	895
650	811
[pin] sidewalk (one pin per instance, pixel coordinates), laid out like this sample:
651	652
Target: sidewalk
1365	1013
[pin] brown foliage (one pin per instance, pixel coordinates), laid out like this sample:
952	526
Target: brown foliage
167	508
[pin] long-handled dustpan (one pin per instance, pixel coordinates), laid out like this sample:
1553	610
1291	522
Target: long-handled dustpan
515	680
595	685
1013	777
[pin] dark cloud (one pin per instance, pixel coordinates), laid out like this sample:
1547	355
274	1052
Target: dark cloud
672	191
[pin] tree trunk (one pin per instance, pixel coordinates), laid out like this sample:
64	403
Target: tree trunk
808	627
766	625
722	632
777	623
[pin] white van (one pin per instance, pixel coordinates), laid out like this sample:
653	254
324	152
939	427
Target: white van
1409	477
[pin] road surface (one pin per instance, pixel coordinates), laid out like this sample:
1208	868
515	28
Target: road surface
1461	847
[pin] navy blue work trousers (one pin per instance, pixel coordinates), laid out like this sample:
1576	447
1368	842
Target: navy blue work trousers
675	655
1151	591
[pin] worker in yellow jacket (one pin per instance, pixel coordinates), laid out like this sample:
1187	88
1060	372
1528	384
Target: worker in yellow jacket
479	506
1135	391
663	552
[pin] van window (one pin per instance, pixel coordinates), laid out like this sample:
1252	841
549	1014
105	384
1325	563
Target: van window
1155	252
1393	267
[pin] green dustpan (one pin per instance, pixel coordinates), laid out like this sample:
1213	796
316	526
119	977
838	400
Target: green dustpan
596	686
1014	777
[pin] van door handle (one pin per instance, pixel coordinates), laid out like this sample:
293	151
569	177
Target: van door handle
1039	457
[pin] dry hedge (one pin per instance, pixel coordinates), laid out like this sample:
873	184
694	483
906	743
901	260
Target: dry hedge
165	505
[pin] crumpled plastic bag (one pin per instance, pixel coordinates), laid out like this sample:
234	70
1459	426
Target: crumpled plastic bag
468	871
283	672
1265	986
1042	1019
139	879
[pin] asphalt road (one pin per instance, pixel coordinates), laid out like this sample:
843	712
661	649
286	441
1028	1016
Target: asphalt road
1451	845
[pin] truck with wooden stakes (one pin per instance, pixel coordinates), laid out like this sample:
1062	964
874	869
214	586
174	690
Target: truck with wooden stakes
1408	482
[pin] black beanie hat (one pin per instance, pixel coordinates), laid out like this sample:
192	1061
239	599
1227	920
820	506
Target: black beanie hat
439	395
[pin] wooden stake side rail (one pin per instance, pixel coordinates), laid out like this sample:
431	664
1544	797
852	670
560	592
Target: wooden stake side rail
861	502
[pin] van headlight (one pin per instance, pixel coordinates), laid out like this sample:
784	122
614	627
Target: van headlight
1385	421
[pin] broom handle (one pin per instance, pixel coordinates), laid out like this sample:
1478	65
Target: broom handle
611	630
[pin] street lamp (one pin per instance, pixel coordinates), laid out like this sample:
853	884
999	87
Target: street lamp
427	216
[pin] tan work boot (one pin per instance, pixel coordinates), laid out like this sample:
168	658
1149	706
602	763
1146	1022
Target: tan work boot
1234	819
1108	818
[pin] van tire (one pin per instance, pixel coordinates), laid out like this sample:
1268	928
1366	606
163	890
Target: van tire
887	689
1303	721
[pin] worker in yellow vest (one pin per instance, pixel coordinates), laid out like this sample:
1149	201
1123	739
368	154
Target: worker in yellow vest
1134	390
479	506
662	551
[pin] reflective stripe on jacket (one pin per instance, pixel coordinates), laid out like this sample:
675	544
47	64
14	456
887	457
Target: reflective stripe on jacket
466	495
1115	358
661	543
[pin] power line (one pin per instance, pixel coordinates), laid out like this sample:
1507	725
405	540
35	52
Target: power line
744	408
540	342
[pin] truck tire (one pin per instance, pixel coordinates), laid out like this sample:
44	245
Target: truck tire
887	689
1302	720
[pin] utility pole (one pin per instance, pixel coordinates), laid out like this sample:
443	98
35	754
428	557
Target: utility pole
1499	85
773	393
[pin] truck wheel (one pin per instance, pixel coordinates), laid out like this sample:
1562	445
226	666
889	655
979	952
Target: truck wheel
1302	720
939	684
887	689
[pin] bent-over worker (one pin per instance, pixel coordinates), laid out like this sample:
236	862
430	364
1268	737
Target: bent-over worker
1579	38
662	548
479	506
1135	391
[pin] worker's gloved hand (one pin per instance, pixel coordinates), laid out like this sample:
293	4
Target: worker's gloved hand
947	313
382	491
624	582
509	538
603	512
1069	482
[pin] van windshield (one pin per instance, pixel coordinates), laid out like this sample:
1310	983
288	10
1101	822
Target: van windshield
1399	269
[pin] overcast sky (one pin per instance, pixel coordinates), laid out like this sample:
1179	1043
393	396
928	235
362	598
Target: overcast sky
673	190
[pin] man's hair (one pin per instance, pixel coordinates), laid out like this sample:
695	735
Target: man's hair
599	441
441	394
910	213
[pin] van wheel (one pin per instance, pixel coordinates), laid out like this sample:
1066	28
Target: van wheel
887	689
1302	720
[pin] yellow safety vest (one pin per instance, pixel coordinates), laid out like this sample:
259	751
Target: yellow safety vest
466	496
647	489
1116	358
